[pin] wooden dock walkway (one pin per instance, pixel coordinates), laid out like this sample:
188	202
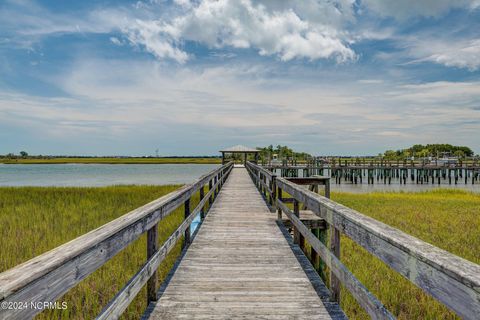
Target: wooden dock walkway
240	265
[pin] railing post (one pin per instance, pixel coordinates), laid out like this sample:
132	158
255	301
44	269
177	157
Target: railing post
202	195
215	184
279	197
210	199
327	189
335	248
152	248
274	192
257	174
264	185
296	211
187	231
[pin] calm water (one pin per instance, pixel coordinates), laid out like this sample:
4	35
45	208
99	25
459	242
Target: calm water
158	174
100	174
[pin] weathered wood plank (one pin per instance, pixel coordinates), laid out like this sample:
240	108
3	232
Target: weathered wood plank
335	249
239	265
309	219
152	247
366	300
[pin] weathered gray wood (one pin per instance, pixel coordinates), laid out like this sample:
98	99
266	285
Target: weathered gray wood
48	276
239	266
202	195
296	234
335	249
186	236
368	301
123	299
450	279
309	219
152	248
210	199
313	275
279	211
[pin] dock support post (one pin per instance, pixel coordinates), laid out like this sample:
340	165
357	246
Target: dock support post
152	248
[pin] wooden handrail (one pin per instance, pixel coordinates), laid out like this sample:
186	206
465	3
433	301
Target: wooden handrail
47	277
451	280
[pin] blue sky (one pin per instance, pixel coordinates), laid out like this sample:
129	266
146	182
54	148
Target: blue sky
190	77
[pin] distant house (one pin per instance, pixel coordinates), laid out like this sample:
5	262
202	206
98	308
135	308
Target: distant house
275	161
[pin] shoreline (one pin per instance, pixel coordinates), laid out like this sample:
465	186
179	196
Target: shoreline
166	160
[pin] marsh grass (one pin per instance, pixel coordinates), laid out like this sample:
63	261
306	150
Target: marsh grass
448	219
34	220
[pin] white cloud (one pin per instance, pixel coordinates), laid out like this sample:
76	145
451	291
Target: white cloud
451	52
288	29
119	100
116	41
403	9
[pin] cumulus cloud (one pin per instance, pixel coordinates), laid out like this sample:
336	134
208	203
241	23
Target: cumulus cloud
288	29
413	8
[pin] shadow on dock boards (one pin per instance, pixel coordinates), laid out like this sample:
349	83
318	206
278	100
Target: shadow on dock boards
322	291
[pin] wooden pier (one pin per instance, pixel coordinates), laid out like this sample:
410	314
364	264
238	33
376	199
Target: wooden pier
384	173
242	262
241	265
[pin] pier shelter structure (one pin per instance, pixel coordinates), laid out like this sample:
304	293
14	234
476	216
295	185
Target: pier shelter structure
239	149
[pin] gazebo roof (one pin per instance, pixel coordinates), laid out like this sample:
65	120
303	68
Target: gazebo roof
239	148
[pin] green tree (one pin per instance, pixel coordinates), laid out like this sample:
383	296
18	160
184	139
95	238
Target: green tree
459	153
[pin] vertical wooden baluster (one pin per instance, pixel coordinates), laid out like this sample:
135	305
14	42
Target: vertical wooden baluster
322	233
202	195
152	248
215	191
279	197
296	211
210	199
269	194
187	232
274	192
335	248
327	188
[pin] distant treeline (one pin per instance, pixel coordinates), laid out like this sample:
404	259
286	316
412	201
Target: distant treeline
282	152
25	155
429	150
